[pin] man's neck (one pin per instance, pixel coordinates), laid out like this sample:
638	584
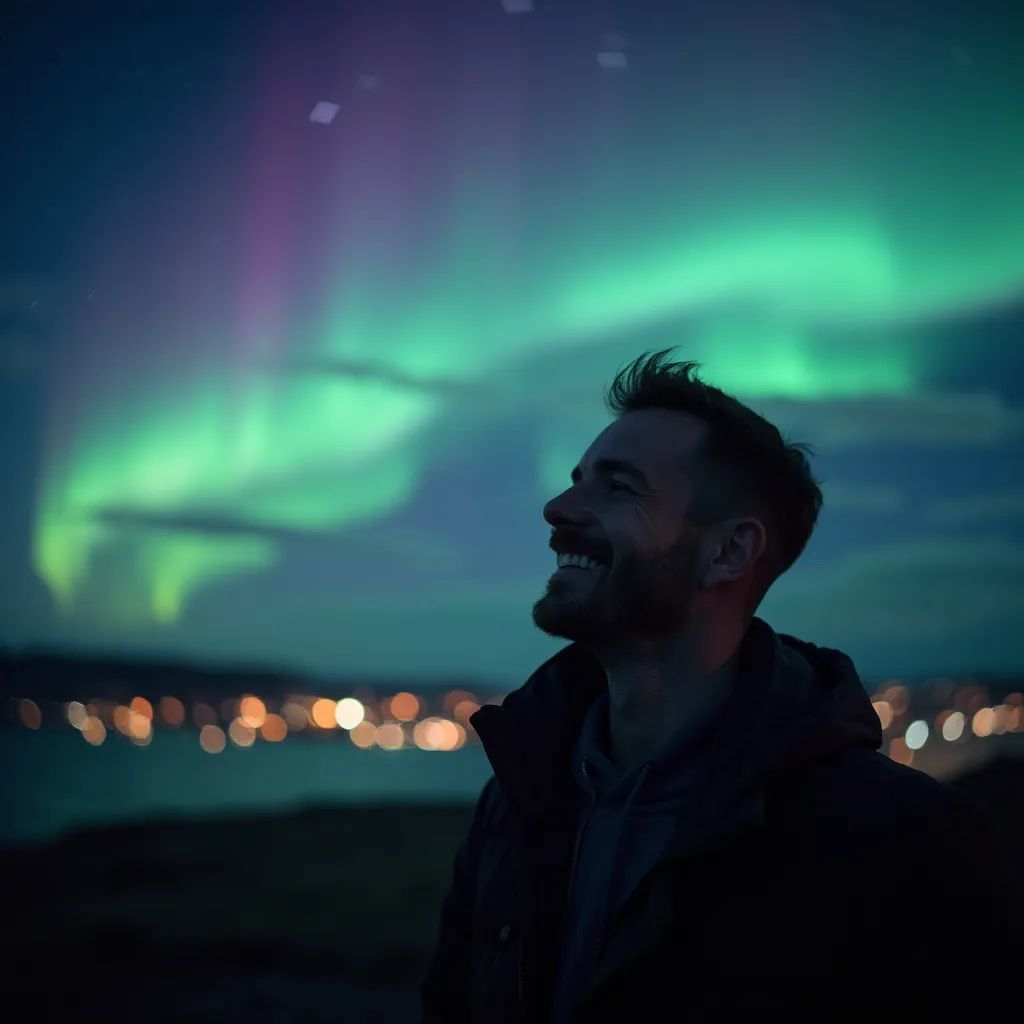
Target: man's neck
651	700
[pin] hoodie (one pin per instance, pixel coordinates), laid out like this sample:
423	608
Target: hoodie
792	703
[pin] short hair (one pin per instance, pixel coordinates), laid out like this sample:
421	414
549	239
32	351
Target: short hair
743	466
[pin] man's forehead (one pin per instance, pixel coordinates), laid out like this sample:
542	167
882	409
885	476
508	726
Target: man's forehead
655	440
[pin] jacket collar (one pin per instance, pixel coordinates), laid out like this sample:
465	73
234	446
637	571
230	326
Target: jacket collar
793	703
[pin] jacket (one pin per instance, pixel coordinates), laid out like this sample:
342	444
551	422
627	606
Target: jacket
771	860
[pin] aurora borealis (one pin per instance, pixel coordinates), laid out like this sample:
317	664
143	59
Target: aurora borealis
298	391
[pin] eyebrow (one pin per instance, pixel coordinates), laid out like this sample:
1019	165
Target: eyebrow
615	466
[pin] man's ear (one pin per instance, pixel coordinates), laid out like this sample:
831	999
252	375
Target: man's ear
736	547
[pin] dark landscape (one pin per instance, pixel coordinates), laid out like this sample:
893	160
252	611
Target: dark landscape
324	914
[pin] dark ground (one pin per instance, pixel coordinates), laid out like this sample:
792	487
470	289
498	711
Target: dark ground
320	915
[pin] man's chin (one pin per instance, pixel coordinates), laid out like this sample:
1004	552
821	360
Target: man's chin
573	624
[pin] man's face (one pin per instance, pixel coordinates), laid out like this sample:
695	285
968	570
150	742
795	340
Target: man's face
646	587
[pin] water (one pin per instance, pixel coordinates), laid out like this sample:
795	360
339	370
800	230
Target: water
53	780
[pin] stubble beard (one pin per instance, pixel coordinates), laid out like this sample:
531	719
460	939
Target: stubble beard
626	600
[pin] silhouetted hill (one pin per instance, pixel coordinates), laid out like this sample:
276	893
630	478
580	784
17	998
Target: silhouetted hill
323	914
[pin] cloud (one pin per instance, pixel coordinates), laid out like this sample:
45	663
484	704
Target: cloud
929	419
867	498
996	505
444	387
909	603
405	543
194	522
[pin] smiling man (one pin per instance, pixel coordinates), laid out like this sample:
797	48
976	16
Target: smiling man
689	817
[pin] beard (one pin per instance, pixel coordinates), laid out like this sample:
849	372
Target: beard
636	598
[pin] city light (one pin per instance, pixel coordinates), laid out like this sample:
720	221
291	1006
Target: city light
141	706
465	710
323	713
349	713
203	714
900	752
121	716
274	729
390	736
139	727
94	731
363	735
241	733
983	722
77	715
953	726
404	707
31	716
172	711
958	713
211	739
898	697
917	734
884	711
295	715
1002	719
252	711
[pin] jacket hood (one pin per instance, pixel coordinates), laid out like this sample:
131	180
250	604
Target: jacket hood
793	702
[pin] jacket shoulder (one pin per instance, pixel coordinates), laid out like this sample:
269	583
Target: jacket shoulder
862	796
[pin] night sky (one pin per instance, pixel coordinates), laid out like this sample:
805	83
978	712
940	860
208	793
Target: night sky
277	388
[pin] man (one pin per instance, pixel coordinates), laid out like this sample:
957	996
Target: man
689	817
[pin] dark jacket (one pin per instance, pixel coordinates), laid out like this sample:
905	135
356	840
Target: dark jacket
768	860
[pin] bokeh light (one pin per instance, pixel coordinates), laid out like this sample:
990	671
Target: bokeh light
404	706
898	697
465	710
323	713
77	714
390	736
252	711
274	728
349	713
212	739
884	711
295	715
983	722
1001	719
122	716
953	726
364	735
428	734
453	698
203	714
172	711
438	733
241	734
900	752
917	734
94	731
141	706
28	711
140	728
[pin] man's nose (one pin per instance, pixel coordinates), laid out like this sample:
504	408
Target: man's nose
562	509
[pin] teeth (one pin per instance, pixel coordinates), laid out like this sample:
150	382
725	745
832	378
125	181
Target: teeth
581	561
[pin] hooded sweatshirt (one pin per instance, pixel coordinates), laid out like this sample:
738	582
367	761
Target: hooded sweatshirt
791	703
